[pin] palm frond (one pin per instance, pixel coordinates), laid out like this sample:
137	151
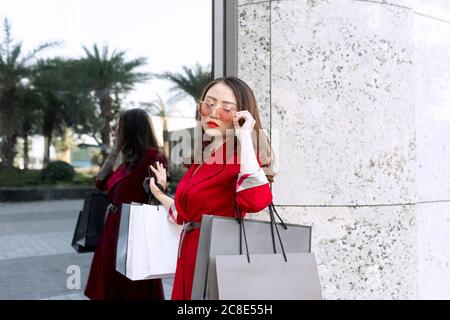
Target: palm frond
188	83
40	48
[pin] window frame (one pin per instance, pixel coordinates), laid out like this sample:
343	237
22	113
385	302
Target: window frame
224	38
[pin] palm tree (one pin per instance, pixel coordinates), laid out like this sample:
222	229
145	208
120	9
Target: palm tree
190	83
159	108
109	74
29	118
49	81
14	68
63	100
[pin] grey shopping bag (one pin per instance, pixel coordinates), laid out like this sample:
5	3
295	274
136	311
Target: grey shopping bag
222	236
122	240
268	277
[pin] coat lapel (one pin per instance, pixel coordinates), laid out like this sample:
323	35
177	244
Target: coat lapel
211	167
206	171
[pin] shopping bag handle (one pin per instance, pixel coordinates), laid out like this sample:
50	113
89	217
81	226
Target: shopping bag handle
273	223
151	198
272	207
242	232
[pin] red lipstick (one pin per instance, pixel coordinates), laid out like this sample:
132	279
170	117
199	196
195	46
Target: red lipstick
212	124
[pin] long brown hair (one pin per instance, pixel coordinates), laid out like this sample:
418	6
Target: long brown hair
245	100
135	135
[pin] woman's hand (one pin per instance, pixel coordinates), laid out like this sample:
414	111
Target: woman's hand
115	137
108	164
161	178
248	125
114	152
248	160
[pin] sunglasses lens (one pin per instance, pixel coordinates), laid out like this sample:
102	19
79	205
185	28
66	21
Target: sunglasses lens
204	109
225	115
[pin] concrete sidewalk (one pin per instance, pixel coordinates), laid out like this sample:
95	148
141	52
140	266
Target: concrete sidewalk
35	251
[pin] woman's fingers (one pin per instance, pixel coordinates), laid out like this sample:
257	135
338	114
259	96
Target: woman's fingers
151	184
158	168
161	169
249	120
154	169
158	175
238	115
244	113
153	188
236	123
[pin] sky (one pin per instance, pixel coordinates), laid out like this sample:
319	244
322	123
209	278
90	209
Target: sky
169	33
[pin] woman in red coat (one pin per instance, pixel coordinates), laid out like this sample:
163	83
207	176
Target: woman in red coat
137	144
230	171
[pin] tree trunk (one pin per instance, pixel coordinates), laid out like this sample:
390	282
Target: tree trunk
8	130
26	158
48	143
26	129
165	137
8	150
105	108
47	131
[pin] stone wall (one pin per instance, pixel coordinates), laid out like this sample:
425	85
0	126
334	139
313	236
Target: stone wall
356	95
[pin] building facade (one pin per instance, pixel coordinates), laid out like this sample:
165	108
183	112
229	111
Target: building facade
358	91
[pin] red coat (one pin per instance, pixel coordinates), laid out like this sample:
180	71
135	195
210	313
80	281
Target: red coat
104	282
212	190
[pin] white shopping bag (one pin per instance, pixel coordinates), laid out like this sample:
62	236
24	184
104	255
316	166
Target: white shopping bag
268	277
147	244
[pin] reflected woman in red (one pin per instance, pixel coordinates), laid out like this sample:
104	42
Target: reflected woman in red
231	169
137	144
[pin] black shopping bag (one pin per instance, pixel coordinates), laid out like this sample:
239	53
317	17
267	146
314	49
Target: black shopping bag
90	222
